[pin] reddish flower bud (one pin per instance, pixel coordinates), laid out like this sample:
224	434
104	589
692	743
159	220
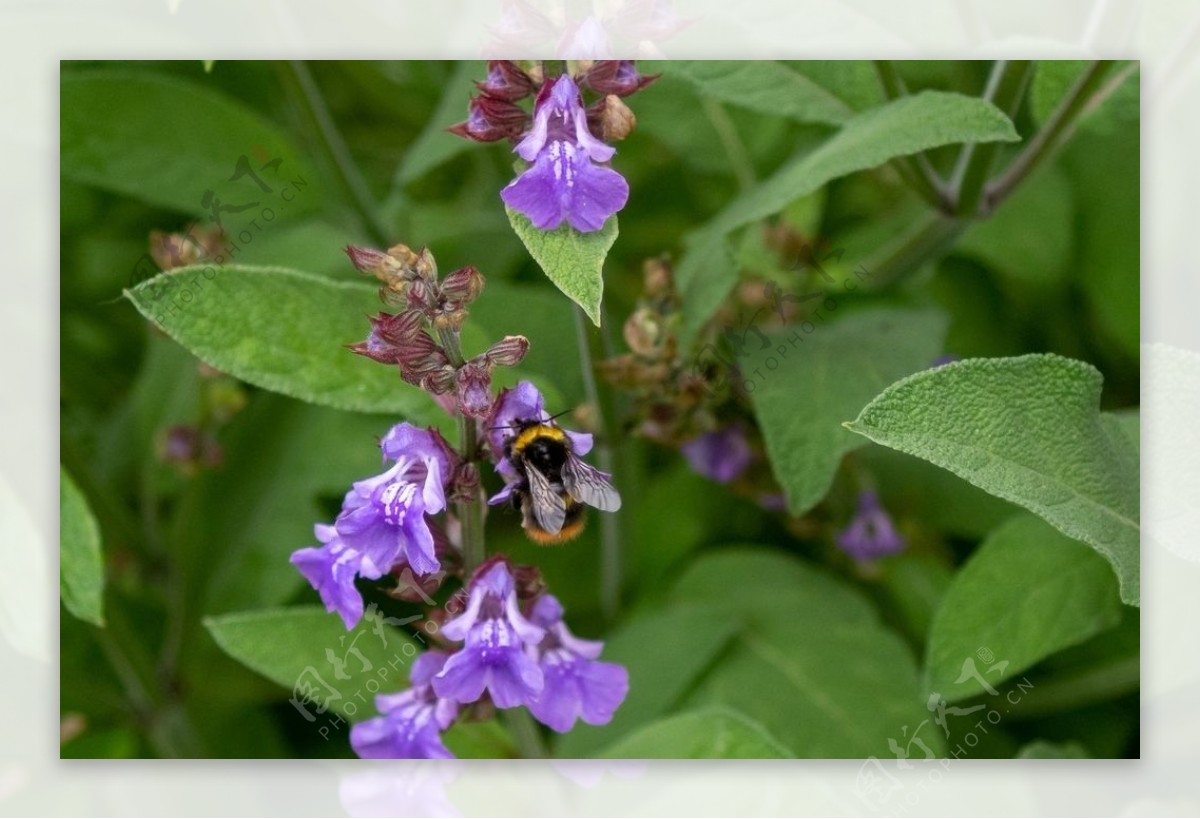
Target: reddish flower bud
618	77
507	352
466	483
396	268
400	328
462	286
506	81
490	119
474	385
439	380
422	295
528	582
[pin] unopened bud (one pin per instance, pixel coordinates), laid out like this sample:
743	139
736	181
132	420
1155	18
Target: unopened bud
508	351
528	582
422	295
490	119
614	119
618	77
439	380
171	250
462	286
474	385
400	328
657	276
506	81
396	268
643	330
466	483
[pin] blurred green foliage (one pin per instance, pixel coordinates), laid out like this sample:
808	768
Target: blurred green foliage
745	630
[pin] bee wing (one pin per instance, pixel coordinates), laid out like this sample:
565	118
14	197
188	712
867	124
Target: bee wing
589	485
548	507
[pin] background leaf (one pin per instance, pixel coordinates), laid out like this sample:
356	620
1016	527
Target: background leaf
802	401
765	86
899	128
574	261
282	330
168	141
303	645
810	659
706	733
1027	592
1026	429
81	564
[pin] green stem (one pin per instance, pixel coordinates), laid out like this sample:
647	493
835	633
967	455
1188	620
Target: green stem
916	171
926	241
1005	88
1054	133
610	538
336	148
526	734
739	159
470	512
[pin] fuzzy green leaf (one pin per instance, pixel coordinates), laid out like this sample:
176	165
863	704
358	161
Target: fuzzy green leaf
1026	593
802	393
811	660
715	732
1029	430
81	570
282	330
574	261
307	649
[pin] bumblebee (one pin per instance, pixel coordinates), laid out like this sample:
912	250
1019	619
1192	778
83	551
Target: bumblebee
555	485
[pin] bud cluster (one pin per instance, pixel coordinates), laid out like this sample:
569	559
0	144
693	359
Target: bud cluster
422	340
494	114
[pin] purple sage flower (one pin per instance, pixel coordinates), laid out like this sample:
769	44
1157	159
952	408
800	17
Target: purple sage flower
575	686
722	455
871	533
412	720
565	183
497	640
382	523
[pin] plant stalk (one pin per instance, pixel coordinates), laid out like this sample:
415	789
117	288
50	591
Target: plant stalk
470	512
335	146
525	733
916	171
1006	87
610	538
1052	134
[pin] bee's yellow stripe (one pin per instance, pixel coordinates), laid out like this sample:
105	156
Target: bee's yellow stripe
528	436
569	531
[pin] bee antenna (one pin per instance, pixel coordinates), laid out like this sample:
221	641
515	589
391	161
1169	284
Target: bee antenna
558	415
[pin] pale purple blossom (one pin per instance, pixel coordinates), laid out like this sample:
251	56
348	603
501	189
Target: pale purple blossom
412	721
871	533
722	455
564	182
575	685
497	638
382	523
